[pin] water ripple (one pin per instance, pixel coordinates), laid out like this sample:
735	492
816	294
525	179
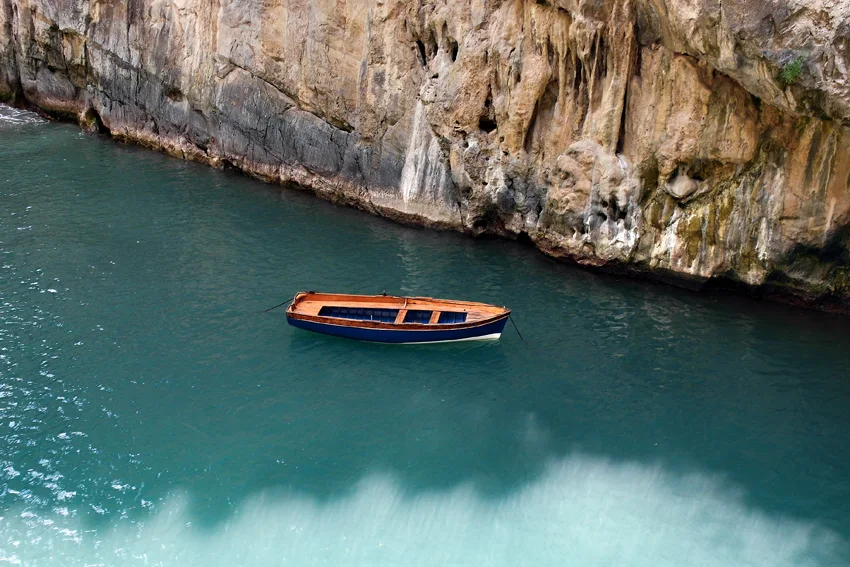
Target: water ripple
16	117
637	425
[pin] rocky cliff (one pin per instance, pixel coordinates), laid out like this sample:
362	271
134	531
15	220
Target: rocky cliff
699	139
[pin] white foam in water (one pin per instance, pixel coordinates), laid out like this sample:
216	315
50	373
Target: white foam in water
15	116
582	511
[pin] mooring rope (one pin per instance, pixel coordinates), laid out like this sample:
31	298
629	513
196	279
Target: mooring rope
281	305
511	317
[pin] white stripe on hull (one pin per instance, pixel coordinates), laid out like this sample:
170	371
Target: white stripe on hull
491	337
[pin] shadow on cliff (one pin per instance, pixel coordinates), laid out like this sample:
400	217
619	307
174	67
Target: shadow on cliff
818	275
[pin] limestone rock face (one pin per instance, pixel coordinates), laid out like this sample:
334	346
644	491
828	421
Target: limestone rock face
691	138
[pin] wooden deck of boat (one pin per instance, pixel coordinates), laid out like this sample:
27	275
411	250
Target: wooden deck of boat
311	303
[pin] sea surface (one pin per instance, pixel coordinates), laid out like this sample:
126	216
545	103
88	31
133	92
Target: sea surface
151	414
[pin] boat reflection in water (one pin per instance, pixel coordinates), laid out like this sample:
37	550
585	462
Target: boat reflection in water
391	319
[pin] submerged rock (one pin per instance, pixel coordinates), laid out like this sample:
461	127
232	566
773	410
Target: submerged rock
699	139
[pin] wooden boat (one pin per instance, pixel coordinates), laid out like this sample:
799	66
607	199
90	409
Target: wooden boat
390	319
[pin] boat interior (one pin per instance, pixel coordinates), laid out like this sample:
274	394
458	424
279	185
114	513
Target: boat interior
393	309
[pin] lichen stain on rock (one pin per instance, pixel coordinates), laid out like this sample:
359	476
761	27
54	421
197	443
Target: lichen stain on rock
652	135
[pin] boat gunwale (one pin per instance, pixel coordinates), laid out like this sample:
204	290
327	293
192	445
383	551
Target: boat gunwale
488	313
380	325
300	296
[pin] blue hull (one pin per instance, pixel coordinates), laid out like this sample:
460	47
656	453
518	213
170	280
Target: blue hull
488	330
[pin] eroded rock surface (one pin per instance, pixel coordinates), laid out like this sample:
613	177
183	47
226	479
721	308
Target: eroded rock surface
696	138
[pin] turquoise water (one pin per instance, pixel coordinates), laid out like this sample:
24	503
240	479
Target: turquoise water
149	415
